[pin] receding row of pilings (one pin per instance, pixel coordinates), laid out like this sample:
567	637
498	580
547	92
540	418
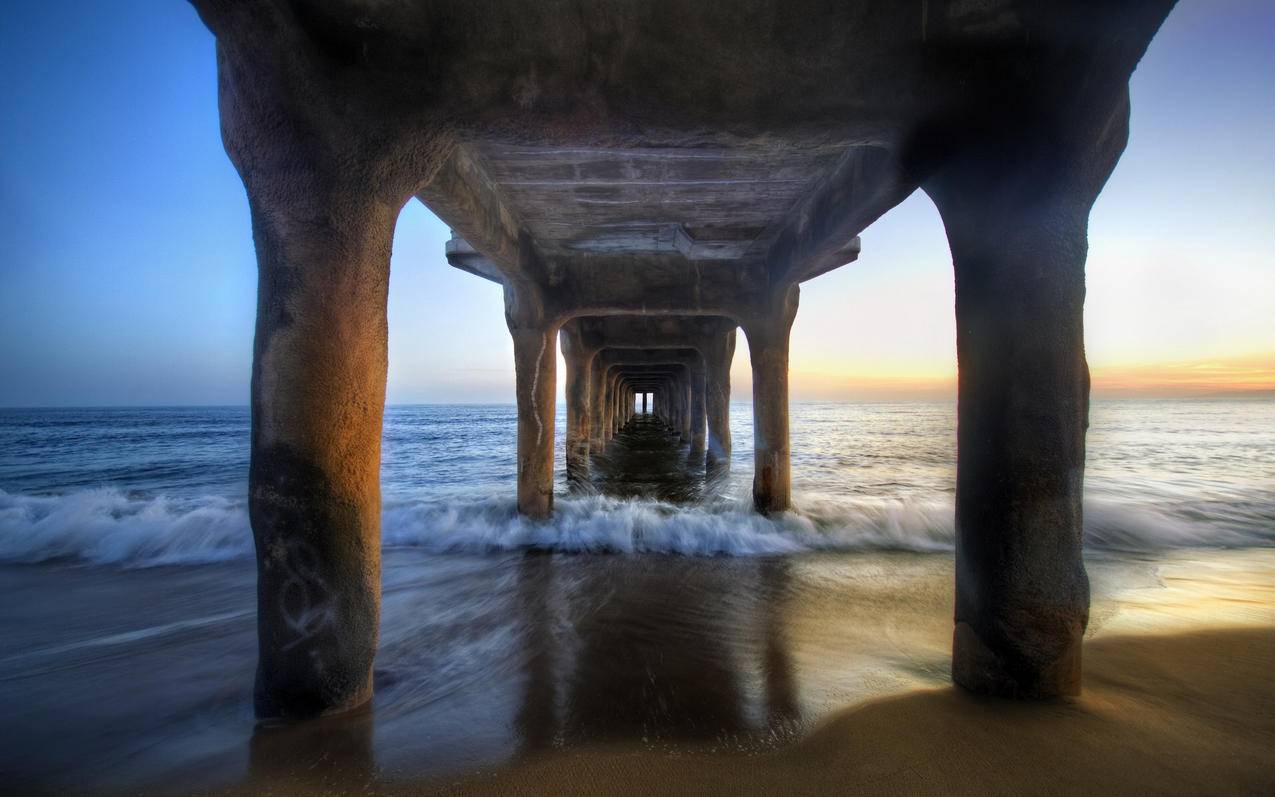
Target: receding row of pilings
683	362
318	394
334	123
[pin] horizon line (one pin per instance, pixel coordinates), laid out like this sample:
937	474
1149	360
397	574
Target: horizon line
1236	395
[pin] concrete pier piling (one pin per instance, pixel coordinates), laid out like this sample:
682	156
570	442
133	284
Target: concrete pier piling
640	221
1018	248
535	366
719	351
579	361
768	332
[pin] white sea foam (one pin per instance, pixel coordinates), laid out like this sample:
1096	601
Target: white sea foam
107	526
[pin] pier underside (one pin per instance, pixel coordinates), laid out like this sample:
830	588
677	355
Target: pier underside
644	180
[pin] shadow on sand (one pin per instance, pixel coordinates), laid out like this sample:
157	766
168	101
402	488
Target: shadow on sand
1174	714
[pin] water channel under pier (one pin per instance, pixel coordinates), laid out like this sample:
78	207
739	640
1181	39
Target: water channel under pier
647	460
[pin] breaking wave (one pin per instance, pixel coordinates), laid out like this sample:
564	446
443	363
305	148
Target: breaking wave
107	526
598	524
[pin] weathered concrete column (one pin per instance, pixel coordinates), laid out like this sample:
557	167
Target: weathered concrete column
598	435
675	407
535	368
684	399
617	409
605	408
579	362
698	409
685	422
613	403
718	351
1016	213
617	400
323	221
768	333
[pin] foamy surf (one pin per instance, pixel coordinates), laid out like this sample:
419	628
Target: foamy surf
108	526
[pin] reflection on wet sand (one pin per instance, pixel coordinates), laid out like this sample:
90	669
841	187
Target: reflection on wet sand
538	672
632	675
1171	714
653	651
516	663
329	754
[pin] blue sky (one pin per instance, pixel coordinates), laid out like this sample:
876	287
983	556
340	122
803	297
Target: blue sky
127	273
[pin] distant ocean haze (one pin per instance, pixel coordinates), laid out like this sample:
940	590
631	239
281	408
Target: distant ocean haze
153	486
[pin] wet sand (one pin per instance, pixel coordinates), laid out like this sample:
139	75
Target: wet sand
1183	714
639	674
534	673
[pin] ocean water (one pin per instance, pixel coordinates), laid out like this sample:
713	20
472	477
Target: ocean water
159	486
122	676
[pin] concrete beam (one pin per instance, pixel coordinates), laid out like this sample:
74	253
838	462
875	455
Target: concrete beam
822	232
466	199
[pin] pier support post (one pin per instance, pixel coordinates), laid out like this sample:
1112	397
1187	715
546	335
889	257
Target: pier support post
680	409
604	404
617	404
674	407
579	361
613	404
535	369
698	410
1016	214
613	380
323	224
768	333
597	404
605	399
719	351
685	424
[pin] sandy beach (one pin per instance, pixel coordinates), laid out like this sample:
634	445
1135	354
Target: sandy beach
642	674
1175	714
